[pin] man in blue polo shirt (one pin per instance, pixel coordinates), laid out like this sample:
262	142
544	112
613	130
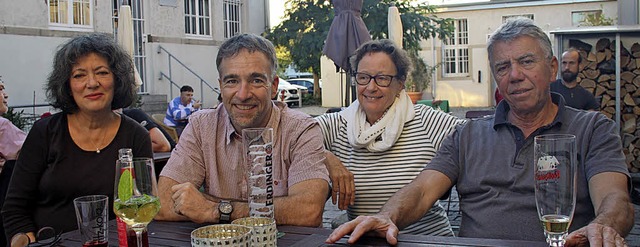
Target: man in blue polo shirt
490	160
180	108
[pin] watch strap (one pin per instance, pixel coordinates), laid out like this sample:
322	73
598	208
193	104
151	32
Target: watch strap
224	217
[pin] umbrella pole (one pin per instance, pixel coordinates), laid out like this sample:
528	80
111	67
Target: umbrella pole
341	85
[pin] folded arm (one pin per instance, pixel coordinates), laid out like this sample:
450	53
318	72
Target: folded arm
303	205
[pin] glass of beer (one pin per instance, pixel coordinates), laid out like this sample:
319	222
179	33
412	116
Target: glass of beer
555	162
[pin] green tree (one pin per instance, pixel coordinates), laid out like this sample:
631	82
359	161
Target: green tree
306	25
16	118
597	19
302	34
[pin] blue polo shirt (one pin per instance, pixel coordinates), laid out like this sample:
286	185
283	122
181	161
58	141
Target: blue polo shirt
491	163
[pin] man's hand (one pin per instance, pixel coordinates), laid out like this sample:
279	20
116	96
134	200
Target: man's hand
342	181
197	105
378	225
595	234
188	201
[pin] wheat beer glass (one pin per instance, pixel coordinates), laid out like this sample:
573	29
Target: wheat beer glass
555	163
258	149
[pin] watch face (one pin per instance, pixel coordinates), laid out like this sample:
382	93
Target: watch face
225	207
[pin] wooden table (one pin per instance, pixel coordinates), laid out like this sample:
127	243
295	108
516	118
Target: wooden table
163	233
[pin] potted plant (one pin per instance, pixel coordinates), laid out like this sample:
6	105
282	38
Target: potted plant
420	77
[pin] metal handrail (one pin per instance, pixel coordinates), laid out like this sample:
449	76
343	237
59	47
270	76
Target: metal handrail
172	84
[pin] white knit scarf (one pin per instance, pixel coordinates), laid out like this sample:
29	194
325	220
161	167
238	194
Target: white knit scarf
389	127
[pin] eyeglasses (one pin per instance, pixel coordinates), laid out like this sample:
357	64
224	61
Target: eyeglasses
46	236
363	79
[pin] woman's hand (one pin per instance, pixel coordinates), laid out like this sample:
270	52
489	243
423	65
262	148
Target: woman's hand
341	180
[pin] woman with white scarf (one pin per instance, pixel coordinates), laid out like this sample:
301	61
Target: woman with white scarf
382	141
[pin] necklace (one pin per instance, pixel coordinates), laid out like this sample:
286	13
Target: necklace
97	146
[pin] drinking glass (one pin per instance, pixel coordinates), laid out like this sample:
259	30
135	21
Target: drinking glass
136	194
93	219
555	162
258	149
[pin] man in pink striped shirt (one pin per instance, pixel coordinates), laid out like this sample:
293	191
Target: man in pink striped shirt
209	153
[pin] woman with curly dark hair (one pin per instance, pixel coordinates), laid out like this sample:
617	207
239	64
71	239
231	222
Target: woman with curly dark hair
73	152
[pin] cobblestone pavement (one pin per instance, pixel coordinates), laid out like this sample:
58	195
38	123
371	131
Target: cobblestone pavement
332	211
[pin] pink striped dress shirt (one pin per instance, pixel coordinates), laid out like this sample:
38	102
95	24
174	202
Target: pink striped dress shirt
210	153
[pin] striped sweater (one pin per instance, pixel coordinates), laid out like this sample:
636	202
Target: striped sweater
379	175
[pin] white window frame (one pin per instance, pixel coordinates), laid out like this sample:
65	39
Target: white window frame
505	18
70	15
197	18
455	51
232	17
582	14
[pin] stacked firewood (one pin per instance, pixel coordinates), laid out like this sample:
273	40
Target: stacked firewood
598	75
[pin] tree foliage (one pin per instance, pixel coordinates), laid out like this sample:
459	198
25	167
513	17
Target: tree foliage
597	19
418	22
306	25
16	118
303	32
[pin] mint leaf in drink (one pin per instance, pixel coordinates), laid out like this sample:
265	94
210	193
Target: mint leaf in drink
125	185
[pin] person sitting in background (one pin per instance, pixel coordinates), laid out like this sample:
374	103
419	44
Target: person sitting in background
574	94
490	160
368	142
72	153
11	139
160	140
209	153
180	108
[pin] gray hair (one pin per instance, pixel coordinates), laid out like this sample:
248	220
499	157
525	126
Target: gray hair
251	43
399	56
516	28
120	63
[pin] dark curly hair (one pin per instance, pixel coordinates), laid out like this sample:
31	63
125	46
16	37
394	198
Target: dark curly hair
399	56
121	65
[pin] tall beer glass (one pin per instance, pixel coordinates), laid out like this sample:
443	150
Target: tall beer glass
258	148
555	164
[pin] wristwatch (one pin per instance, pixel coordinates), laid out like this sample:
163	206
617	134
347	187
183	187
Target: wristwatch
225	208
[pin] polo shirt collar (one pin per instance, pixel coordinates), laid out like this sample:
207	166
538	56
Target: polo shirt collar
503	108
276	111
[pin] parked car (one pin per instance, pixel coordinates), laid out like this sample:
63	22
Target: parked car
302	88
289	94
307	82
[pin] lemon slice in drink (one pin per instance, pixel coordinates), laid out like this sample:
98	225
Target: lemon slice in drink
125	190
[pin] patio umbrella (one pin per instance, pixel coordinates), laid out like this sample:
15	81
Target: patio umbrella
125	37
346	34
395	25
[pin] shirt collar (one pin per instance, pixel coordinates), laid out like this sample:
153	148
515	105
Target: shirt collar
503	108
274	120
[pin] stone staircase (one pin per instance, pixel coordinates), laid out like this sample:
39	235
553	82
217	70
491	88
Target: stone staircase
154	103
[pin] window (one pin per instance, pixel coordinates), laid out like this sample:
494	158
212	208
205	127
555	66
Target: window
197	17
456	51
508	17
70	13
232	9
578	17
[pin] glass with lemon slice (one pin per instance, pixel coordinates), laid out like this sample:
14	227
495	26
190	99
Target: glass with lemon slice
136	194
